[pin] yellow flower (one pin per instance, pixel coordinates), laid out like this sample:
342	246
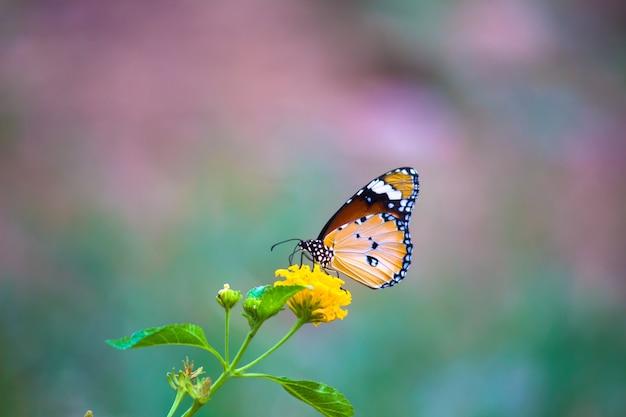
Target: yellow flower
320	304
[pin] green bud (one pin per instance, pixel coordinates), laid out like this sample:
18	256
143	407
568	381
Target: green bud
250	306
227	298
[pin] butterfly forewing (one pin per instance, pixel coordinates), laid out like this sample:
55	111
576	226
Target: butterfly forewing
393	192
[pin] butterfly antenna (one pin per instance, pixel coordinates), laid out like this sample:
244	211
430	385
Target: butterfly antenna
284	241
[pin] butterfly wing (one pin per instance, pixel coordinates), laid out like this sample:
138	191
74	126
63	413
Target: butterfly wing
368	238
374	250
394	192
369	234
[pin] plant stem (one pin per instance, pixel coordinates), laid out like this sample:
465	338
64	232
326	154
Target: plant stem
180	394
192	410
299	323
228	368
219	382
256	375
226	338
244	346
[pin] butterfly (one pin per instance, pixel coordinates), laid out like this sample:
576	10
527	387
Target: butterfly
368	238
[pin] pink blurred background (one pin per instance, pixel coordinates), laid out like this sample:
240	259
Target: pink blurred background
151	151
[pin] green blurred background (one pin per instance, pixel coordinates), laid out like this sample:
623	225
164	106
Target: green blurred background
152	151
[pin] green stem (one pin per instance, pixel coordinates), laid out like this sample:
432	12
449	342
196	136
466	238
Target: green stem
228	369
244	346
256	375
192	410
219	382
226	338
299	323
180	394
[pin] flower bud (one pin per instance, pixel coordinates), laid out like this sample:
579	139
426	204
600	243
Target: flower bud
227	298
253	299
202	389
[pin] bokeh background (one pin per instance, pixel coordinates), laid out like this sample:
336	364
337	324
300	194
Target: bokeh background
151	151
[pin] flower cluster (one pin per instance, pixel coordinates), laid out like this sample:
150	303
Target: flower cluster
188	380
322	301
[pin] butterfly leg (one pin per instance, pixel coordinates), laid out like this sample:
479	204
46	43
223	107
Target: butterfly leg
327	269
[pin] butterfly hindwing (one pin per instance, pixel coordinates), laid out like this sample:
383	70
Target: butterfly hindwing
374	250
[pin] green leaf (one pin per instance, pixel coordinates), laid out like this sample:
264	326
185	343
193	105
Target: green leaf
324	398
172	334
274	299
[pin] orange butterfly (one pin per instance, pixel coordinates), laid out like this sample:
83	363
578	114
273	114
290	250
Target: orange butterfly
368	238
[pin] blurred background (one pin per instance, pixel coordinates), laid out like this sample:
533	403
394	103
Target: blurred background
152	151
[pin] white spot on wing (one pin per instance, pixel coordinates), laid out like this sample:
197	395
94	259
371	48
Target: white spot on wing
380	187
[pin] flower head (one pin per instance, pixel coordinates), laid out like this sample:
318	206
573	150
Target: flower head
323	302
189	381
